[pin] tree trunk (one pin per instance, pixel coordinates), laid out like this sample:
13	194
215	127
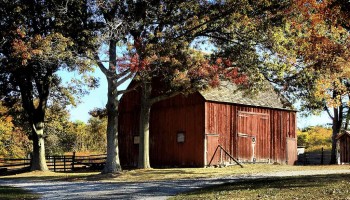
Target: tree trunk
143	161
38	156
346	126
112	162
337	122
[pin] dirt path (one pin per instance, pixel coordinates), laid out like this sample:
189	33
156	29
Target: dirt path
140	190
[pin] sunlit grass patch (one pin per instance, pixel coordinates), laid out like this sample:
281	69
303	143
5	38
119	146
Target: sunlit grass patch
140	175
190	173
334	186
50	176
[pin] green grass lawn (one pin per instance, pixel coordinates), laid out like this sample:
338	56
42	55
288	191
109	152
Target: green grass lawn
140	175
303	187
16	193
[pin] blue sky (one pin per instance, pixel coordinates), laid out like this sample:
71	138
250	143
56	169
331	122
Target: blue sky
96	98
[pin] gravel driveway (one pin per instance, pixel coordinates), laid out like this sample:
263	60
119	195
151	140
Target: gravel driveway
140	190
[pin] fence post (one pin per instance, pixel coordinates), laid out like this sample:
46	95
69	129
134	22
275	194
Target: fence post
64	163
73	160
322	154
54	163
31	160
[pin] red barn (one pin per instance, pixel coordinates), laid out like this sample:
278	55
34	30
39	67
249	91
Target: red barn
186	130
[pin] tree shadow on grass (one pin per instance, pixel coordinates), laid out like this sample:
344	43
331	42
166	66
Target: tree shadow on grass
299	184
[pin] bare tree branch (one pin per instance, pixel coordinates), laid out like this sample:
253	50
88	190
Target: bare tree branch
328	112
163	97
100	65
121	81
120	92
123	73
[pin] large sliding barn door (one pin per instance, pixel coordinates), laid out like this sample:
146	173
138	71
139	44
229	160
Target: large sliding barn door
253	137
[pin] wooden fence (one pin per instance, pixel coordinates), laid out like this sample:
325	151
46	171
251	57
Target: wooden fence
314	158
57	163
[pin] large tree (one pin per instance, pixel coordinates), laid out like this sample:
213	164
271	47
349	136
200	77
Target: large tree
326	56
35	44
314	45
110	31
163	36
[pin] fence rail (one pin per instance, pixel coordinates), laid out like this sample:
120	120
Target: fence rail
314	158
57	163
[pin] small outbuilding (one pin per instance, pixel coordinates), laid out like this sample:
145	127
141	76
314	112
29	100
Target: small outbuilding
187	130
343	147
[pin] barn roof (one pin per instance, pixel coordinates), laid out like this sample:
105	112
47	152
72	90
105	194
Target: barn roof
347	133
228	92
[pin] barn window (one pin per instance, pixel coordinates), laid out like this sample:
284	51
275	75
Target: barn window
180	137
136	139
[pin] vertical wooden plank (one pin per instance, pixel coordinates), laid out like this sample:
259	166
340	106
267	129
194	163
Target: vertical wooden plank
291	153
213	154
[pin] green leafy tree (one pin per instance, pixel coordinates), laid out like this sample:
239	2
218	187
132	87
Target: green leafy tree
160	36
164	34
111	34
79	129
59	135
96	140
38	39
63	135
314	44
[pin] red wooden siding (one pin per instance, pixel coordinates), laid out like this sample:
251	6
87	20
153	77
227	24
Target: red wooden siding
292	151
206	125
344	148
128	128
168	118
236	126
219	121
212	153
253	137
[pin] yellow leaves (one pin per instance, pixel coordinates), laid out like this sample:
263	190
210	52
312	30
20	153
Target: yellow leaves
12	140
37	38
37	52
180	78
18	9
315	138
159	34
6	125
342	65
175	61
330	88
316	19
21	33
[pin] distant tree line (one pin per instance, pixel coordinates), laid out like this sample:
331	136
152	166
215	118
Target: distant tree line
61	135
314	138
